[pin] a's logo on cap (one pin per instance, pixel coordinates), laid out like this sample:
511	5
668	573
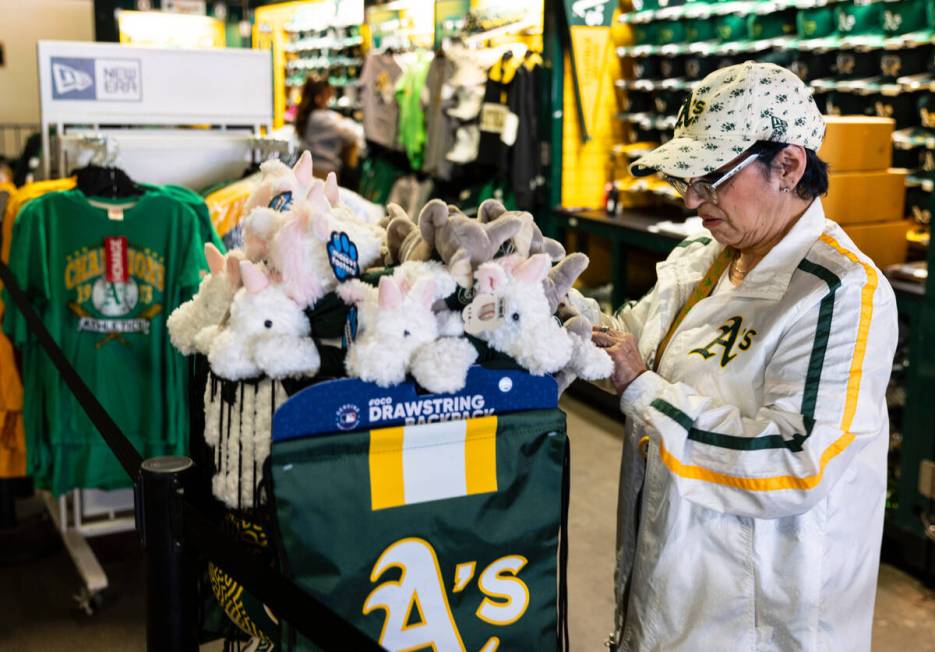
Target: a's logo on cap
891	64
689	113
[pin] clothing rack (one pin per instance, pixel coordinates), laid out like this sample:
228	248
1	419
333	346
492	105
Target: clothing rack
153	126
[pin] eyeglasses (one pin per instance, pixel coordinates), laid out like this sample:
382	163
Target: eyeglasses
706	187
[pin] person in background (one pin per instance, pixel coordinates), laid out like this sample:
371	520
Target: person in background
330	137
753	378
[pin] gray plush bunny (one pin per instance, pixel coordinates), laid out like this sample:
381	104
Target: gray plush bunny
529	241
462	243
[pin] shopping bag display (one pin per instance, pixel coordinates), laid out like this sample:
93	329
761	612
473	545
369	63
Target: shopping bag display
437	535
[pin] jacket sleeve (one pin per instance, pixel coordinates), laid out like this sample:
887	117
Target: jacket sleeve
823	392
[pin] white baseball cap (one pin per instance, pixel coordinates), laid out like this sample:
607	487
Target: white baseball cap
729	111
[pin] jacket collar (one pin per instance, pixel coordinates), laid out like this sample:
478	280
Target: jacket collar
770	278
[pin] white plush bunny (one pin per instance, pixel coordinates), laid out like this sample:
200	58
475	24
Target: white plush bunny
298	252
267	333
398	331
528	333
367	235
269	205
209	305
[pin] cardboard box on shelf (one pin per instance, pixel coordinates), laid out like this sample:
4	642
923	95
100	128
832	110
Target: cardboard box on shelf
856	143
858	197
885	243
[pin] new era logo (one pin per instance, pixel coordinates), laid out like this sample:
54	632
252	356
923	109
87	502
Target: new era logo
73	78
112	80
68	79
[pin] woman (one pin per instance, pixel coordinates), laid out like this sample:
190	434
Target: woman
325	133
753	380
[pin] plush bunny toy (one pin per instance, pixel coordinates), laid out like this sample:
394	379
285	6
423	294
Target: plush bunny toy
269	205
461	242
529	240
209	306
398	331
588	360
267	333
528	332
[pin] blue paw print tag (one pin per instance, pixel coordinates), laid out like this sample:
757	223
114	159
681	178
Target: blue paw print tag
342	254
281	202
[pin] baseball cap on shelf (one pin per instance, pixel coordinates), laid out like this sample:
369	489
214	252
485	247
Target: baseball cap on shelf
860	25
901	63
812	65
764	27
671	67
857	64
732	28
670	32
699	65
645	33
699	30
646	67
901	107
814	23
729	111
639	101
847	103
905	17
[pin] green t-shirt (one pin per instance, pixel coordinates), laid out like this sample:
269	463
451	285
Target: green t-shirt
197	203
411	117
104	288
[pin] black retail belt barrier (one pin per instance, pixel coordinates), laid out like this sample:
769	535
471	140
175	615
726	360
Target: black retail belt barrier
172	530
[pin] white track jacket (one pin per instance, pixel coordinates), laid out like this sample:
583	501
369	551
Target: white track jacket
760	518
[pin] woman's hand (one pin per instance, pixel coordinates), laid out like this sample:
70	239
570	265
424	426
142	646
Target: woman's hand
622	348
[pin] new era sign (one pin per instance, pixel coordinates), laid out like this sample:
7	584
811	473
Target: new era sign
110	80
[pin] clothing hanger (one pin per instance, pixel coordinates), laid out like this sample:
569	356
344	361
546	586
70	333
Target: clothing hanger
105	179
109	182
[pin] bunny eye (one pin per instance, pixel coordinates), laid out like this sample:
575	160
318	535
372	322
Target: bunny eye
515	316
268	323
405	333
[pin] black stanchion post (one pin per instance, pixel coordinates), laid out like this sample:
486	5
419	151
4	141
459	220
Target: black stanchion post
7	504
171	590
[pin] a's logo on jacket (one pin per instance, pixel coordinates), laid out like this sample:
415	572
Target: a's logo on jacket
732	334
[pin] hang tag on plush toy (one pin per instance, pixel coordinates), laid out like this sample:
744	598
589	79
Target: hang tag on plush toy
485	313
350	327
342	254
281	202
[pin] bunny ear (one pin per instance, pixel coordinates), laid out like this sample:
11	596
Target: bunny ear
303	169
389	295
317	199
533	270
331	189
214	257
233	272
253	277
490	277
490	210
424	291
